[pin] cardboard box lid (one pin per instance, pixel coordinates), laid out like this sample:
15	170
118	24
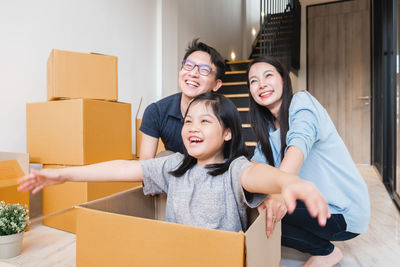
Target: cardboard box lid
10	171
23	159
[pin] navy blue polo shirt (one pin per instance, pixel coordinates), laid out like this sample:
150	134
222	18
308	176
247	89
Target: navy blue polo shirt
163	119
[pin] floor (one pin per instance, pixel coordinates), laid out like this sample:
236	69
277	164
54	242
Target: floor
380	246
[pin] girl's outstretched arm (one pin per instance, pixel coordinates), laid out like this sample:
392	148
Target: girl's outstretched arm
116	170
262	178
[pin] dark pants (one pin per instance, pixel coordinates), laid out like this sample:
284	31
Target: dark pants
302	232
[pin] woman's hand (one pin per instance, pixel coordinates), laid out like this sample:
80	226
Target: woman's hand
38	179
276	209
315	202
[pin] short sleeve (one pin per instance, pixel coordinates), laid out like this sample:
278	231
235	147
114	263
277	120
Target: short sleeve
303	123
151	121
252	200
156	175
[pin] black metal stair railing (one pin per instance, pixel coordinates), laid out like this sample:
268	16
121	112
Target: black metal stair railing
279	34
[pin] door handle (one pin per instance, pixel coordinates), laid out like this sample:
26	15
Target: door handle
364	98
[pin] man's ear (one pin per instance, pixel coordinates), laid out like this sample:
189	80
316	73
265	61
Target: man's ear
228	134
217	85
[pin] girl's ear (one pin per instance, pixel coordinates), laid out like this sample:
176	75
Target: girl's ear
228	134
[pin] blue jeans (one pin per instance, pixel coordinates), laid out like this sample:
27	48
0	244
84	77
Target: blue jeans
302	232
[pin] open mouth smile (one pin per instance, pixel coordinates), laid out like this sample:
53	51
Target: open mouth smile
266	94
192	83
194	140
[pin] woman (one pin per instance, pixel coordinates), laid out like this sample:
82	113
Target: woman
296	134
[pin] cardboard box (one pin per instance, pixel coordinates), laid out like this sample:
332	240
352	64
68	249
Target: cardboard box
80	75
139	135
124	230
64	196
12	167
78	131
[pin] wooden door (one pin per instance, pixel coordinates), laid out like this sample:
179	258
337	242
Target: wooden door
339	70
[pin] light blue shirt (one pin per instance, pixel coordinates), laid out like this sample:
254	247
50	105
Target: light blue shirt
327	162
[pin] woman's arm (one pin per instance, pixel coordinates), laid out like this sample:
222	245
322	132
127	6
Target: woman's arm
292	161
117	170
262	178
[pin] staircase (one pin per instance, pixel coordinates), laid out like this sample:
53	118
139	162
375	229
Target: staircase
279	37
234	87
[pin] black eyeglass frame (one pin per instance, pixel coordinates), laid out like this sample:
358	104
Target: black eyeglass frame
200	68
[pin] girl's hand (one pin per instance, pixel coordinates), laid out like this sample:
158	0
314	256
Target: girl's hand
276	209
310	195
38	179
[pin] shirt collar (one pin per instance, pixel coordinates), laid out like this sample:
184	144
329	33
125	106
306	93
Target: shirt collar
175	110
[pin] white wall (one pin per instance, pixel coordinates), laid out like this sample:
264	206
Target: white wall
216	23
30	29
252	21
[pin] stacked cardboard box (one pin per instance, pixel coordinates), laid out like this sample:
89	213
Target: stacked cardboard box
81	123
13	166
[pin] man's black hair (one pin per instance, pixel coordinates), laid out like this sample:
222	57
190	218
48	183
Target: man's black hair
216	57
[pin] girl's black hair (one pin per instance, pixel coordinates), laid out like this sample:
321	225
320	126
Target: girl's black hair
229	118
261	118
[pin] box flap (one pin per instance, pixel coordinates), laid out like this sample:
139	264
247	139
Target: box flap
8	182
260	250
10	169
23	159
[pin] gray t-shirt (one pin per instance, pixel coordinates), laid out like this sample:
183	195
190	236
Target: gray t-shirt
199	199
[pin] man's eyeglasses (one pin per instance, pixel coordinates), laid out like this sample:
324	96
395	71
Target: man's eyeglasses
204	70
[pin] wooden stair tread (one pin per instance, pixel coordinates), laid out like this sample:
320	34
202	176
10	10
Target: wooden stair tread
248	143
235	72
234	83
236	95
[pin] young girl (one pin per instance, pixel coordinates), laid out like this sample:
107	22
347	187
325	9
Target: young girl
211	185
296	134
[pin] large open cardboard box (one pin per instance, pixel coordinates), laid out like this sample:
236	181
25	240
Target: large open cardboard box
81	75
12	167
126	229
78	131
69	194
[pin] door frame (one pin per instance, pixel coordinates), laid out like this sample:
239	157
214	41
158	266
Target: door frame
384	82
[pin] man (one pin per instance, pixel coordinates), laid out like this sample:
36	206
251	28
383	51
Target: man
201	71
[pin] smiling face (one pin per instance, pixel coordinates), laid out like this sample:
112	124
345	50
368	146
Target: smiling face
203	135
192	83
266	86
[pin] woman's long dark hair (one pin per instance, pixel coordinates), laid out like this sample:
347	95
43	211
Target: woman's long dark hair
262	119
228	116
